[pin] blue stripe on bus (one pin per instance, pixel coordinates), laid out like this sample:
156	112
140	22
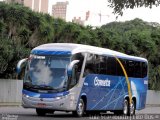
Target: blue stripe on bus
44	95
112	97
48	52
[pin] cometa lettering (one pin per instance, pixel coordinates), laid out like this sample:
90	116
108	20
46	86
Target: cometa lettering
98	82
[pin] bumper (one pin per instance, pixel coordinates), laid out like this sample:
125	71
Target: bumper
64	103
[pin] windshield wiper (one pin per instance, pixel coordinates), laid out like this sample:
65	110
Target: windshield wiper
46	87
28	84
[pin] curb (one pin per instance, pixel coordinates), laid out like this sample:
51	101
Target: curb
10	104
152	105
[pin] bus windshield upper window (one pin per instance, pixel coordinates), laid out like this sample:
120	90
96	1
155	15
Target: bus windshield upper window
50	71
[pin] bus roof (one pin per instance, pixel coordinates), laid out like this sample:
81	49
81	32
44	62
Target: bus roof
71	48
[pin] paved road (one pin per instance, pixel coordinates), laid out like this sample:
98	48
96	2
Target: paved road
19	113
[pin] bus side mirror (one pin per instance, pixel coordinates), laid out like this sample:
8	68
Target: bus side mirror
70	67
19	65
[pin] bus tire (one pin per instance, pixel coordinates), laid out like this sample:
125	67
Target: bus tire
40	112
80	109
126	107
132	108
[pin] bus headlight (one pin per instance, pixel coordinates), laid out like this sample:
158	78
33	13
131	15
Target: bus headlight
60	97
24	95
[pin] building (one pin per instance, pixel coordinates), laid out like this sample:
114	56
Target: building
37	5
59	10
78	20
14	1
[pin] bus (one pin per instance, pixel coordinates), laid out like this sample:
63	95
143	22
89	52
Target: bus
83	79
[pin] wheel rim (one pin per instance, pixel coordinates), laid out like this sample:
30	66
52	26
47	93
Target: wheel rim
80	107
132	108
125	109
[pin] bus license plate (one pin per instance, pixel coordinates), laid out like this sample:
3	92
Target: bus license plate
41	105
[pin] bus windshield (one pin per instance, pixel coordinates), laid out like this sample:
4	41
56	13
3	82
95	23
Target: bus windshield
46	72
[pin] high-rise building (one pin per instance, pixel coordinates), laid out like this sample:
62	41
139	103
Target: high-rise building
37	5
59	10
14	1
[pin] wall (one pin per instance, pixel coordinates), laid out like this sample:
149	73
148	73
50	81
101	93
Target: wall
11	93
153	97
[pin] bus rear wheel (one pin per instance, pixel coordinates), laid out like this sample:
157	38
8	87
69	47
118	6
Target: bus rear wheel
80	109
129	109
132	108
126	107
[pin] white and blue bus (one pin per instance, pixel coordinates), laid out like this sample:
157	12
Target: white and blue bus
83	79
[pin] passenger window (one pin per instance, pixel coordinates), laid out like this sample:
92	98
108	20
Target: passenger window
111	66
90	67
76	71
137	70
119	68
103	65
130	68
144	69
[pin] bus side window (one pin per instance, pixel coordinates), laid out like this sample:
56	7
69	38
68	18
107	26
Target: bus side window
76	69
90	66
75	76
130	68
144	69
103	65
97	64
111	66
119	68
137	70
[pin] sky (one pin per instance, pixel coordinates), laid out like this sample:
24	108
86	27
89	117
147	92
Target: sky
78	8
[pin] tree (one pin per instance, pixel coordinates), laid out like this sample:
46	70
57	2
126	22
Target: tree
138	38
120	5
21	29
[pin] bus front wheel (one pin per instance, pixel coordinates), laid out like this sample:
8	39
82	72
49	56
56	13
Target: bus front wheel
80	108
40	112
43	112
